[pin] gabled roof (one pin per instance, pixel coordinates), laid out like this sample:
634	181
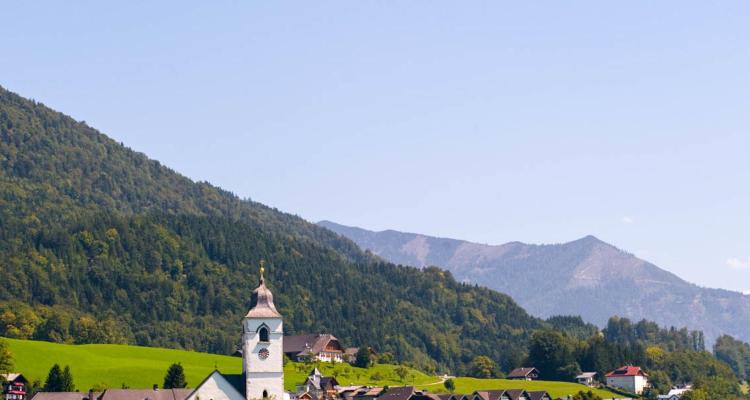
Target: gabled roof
627	370
515	394
489	394
237	381
586	375
522	372
539	395
397	393
308	343
12	377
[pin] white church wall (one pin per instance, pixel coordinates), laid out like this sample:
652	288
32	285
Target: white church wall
264	374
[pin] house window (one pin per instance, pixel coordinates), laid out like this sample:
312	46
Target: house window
263	335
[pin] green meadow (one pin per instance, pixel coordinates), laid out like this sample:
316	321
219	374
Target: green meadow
109	365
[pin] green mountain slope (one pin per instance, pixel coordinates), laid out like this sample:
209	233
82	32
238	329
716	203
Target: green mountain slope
100	244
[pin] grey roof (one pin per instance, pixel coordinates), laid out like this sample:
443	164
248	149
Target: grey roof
308	343
490	394
143	394
539	395
262	303
521	372
62	396
586	375
397	393
515	394
236	380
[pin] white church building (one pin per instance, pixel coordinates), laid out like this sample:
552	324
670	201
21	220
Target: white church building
262	357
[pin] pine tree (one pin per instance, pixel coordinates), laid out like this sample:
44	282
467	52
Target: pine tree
67	380
364	357
54	380
175	377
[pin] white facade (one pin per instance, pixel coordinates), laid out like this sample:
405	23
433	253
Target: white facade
633	384
216	387
264	376
327	356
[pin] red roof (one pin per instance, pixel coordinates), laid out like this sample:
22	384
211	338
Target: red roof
627	370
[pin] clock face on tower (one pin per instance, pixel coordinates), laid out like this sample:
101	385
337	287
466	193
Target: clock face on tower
263	354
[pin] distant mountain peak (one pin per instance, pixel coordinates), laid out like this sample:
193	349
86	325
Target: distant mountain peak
586	276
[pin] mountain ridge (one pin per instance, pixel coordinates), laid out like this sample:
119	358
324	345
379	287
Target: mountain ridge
587	272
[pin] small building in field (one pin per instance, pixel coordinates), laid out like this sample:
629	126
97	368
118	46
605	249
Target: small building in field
14	386
629	378
675	393
524	374
316	347
587	378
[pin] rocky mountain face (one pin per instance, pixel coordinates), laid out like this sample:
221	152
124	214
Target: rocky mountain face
586	277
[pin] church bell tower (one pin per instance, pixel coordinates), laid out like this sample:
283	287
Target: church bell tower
262	346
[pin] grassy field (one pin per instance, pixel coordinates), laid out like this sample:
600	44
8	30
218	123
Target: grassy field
108	365
555	389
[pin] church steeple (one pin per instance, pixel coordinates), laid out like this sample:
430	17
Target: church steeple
261	305
263	349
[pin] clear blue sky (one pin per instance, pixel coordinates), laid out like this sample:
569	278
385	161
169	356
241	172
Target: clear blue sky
488	121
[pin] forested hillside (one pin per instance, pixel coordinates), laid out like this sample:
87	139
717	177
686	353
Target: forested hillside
100	244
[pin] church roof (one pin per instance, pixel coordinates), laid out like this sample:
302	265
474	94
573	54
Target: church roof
262	302
236	380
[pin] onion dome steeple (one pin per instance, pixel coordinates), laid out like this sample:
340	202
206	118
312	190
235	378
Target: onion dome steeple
262	301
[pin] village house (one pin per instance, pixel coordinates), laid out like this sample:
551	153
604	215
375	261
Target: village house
524	374
315	347
587	378
318	387
14	386
629	378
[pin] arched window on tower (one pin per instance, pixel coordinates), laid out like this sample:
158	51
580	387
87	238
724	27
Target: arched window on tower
263	334
265	394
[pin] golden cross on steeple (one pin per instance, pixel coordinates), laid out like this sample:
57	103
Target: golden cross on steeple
262	268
